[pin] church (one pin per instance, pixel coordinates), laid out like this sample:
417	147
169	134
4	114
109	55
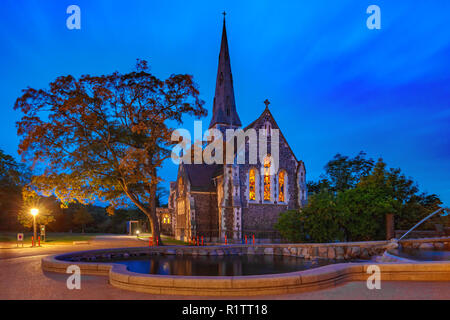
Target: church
233	201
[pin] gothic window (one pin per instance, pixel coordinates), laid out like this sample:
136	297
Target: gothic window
180	206
268	127
252	185
166	219
180	185
267	178
281	186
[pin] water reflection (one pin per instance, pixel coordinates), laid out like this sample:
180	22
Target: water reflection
421	254
220	265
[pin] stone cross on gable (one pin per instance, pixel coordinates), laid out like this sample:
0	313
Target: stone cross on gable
267	102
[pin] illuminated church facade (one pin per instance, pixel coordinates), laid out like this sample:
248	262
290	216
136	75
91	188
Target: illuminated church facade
234	200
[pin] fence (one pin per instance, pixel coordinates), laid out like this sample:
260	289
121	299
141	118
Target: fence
231	236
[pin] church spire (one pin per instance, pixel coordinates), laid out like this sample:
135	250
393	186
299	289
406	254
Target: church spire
224	106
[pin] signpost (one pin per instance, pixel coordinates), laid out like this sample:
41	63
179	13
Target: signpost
20	239
43	237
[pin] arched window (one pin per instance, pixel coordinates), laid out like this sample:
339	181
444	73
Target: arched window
166	219
252	185
268	127
267	178
281	187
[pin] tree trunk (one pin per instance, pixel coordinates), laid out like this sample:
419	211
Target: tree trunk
149	212
152	202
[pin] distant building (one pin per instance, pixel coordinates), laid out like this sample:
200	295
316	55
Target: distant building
166	220
235	199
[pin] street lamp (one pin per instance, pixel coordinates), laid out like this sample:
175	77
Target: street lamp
137	233
34	213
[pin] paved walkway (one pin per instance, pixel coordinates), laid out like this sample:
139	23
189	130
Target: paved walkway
21	277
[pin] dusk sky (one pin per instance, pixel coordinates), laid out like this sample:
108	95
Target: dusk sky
334	85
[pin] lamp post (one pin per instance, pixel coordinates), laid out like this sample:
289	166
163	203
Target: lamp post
34	213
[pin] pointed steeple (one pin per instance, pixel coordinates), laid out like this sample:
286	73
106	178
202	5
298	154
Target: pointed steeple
224	106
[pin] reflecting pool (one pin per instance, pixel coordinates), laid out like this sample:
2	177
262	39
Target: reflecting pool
232	265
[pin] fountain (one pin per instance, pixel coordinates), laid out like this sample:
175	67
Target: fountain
395	245
420	222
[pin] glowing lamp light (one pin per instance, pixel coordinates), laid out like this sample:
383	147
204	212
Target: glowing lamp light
34	212
137	232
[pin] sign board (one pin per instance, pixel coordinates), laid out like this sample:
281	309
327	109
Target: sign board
42	234
19	239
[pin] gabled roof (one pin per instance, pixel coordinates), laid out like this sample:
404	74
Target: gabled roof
201	176
267	113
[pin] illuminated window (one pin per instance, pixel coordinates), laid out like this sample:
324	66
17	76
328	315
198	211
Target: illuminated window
180	184
281	187
166	219
267	178
180	206
252	185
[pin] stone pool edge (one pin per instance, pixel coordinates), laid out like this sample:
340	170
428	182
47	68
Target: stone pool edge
307	280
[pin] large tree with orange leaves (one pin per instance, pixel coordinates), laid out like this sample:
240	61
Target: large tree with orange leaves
104	137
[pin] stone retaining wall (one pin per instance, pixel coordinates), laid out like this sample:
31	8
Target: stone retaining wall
442	243
332	251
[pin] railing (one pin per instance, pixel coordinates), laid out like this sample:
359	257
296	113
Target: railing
231	236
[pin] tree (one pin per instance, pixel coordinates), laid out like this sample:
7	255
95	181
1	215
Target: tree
364	208
290	227
104	137
358	211
344	172
82	217
46	206
13	176
321	219
316	187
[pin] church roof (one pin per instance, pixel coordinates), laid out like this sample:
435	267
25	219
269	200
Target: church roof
268	114
224	105
201	176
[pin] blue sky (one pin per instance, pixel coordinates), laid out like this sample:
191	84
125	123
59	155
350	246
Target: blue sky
334	85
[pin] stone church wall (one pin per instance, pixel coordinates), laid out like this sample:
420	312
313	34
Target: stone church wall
206	213
262	214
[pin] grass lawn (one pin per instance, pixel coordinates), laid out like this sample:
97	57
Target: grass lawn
52	237
167	240
66	237
173	241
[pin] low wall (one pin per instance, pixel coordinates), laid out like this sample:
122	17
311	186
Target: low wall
442	243
332	251
313	279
